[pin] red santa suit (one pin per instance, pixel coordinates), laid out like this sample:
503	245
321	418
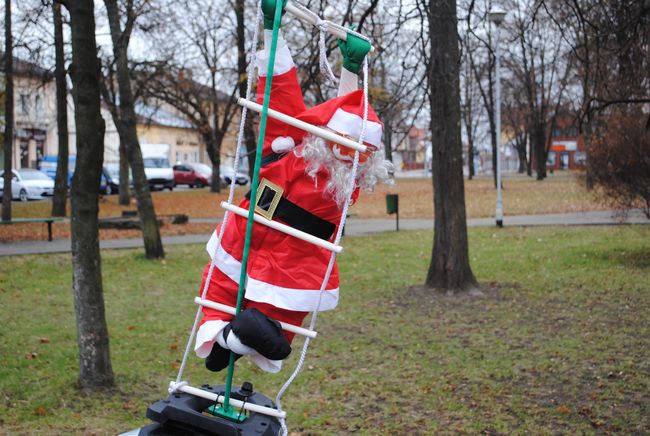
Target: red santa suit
284	273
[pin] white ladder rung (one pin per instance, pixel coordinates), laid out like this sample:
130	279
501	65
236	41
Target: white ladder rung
313	20
231	310
283	228
233	402
318	131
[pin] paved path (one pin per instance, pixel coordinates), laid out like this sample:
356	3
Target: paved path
353	227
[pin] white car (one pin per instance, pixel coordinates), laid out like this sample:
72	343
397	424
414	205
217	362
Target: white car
29	184
227	174
159	172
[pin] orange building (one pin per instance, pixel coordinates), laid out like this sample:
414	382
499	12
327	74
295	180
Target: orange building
567	147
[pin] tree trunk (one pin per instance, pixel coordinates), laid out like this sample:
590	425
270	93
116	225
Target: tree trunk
249	131
124	187
94	358
211	140
127	124
521	152
9	114
449	268
540	150
61	179
388	141
470	158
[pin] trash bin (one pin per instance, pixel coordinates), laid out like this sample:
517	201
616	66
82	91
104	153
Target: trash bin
392	207
392	203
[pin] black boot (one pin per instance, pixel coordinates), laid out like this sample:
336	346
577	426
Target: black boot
261	333
219	358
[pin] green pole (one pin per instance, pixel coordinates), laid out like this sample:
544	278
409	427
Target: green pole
227	410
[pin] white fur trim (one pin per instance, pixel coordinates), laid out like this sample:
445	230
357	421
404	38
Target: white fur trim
282	144
302	300
234	344
210	332
283	60
265	364
350	124
207	336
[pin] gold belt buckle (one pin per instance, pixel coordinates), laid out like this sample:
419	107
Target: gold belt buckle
277	195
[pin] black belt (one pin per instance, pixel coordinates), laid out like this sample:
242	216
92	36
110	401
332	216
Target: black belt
270	158
272	204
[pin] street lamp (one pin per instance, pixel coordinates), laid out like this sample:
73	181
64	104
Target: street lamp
497	15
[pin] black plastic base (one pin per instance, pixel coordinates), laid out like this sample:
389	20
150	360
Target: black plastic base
184	414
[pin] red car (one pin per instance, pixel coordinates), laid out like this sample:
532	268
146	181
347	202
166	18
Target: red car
193	174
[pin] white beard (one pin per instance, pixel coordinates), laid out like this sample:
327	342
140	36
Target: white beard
318	155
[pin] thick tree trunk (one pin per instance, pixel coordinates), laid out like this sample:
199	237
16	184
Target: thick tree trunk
449	268
124	186
127	124
61	179
9	114
92	334
215	159
249	131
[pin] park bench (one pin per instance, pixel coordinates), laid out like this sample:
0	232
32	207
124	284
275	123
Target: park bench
47	220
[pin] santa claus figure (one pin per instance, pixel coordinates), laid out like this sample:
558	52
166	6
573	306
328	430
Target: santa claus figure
304	183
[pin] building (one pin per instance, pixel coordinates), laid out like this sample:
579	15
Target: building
34	101
36	132
566	148
413	151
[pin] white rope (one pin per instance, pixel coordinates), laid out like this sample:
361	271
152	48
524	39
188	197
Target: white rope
312	323
249	84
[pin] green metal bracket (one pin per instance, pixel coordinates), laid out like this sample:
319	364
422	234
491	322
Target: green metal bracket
229	413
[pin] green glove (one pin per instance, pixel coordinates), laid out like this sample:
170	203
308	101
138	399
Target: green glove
268	8
354	50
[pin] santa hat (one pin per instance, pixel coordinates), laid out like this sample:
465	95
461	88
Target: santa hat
344	115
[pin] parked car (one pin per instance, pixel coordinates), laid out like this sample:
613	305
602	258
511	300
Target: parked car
110	184
227	174
159	172
192	174
27	184
49	163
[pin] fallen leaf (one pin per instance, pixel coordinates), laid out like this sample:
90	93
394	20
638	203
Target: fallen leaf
175	365
41	411
45	340
563	409
131	327
173	347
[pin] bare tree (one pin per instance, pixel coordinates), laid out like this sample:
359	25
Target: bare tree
471	101
126	122
60	198
202	83
449	268
608	42
9	113
482	63
95	370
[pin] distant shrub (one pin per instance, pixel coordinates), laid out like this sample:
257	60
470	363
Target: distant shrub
619	161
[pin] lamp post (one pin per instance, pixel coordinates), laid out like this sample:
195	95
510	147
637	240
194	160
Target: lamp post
497	16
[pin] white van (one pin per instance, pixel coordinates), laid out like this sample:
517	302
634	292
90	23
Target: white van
157	168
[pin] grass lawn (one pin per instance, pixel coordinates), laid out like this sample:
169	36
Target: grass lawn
521	196
559	344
